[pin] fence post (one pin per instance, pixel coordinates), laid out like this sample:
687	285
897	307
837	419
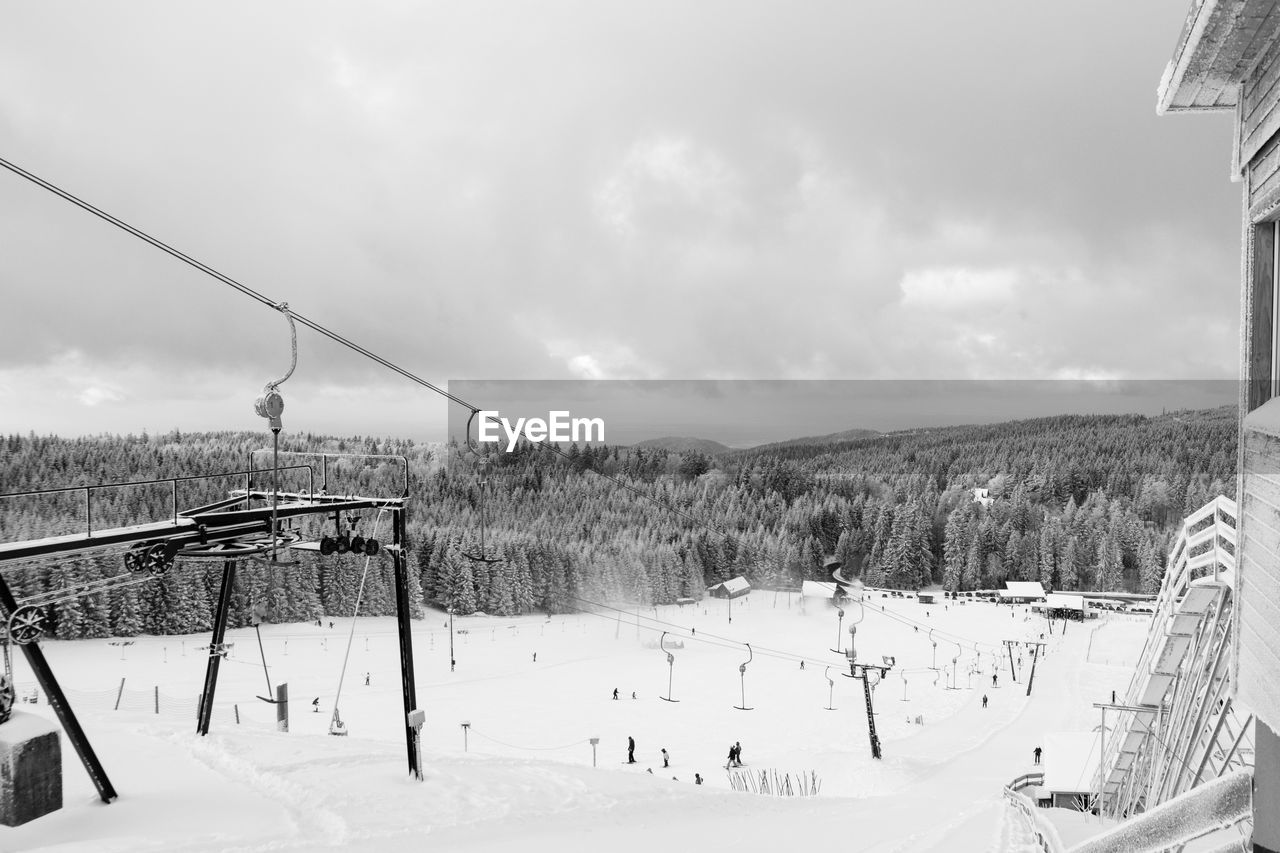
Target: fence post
282	708
118	695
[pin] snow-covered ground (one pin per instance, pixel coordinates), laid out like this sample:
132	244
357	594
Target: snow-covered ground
526	780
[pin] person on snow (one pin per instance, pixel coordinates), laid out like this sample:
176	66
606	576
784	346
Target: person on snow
1037	754
737	753
666	759
366	679
802	664
315	705
733	754
631	750
615	693
535	657
994	677
984	700
697	778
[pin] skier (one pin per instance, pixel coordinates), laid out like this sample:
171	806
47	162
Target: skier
535	657
315	705
331	624
733	754
737	753
615	693
984	700
994	677
631	750
633	694
802	664
666	759
1037	754
697	778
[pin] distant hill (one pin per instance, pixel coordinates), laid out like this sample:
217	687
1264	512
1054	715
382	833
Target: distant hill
832	438
679	444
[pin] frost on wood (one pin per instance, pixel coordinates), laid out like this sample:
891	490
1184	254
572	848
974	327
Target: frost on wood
1211	806
30	769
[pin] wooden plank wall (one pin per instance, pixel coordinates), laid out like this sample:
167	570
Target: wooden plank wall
1258	616
1260	92
1262	293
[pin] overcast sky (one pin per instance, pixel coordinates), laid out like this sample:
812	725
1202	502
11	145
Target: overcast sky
596	189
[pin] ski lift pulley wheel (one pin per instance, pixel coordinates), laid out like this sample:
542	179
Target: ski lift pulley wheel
27	624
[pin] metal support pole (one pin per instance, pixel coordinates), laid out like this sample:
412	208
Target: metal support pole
215	646
66	716
871	715
406	636
1035	655
282	708
1013	670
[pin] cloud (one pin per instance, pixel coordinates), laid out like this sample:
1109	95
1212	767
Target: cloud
95	395
603	189
957	287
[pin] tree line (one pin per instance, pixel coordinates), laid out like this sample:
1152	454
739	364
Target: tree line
1077	502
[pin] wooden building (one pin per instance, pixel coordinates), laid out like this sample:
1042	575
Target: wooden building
1228	59
732	588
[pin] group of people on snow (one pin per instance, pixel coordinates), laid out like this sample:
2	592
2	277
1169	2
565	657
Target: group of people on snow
734	750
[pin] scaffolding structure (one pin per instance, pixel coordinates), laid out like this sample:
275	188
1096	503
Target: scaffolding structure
1177	726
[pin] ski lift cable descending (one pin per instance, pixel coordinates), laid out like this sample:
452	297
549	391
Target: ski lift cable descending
336	726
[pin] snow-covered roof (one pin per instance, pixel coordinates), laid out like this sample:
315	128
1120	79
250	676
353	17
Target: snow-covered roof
1218	41
1070	762
818	589
738	584
1062	601
1023	589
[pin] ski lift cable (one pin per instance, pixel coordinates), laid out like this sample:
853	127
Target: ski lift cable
708	638
356	612
325	331
321	329
704	637
475	731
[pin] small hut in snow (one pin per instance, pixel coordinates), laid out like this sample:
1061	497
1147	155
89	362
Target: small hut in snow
732	588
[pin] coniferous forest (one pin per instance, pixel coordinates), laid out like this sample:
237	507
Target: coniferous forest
1076	502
